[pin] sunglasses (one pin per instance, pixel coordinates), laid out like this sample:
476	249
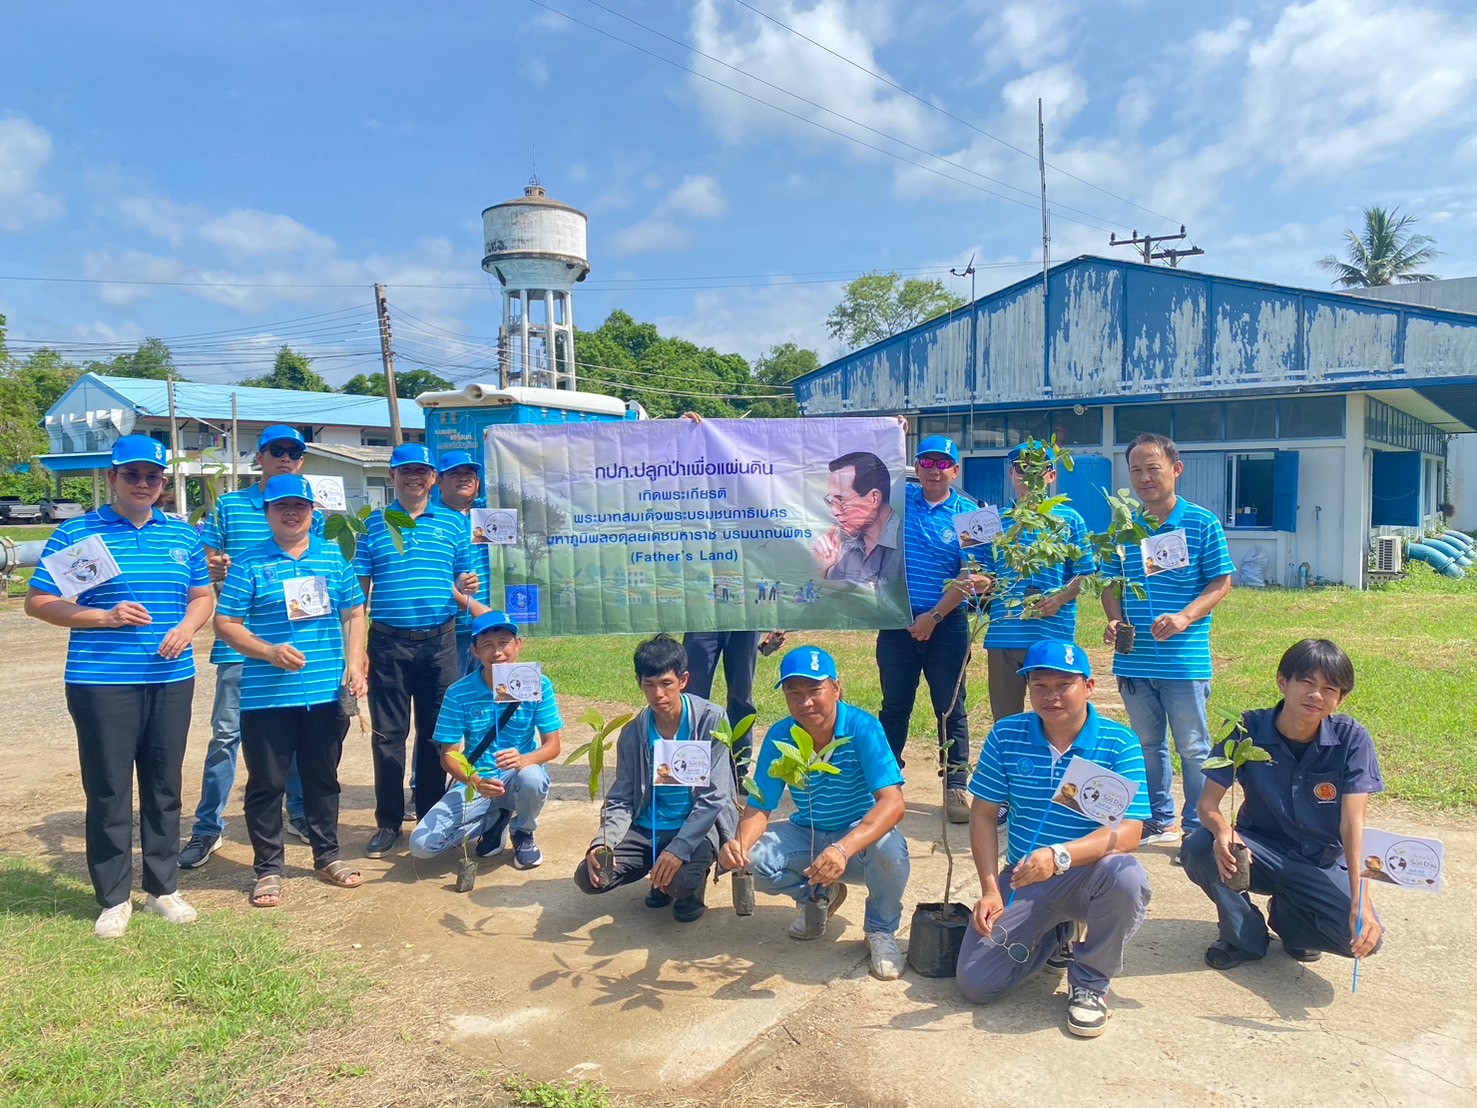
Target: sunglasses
293	452
152	480
935	463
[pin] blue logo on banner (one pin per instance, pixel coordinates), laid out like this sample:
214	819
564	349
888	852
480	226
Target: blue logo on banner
521	602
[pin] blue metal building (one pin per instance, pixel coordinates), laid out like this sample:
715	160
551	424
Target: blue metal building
1309	420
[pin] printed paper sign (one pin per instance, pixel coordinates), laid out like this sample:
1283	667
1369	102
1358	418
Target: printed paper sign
517	682
1095	792
1403	860
494	526
83	565
684	764
306	598
328	493
978	527
521	602
1165	552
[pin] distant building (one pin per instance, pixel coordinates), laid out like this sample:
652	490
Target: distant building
1309	420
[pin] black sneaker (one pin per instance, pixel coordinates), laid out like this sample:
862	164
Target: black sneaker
690	908
299	827
1222	955
1087	1013
1298	954
526	853
1060	960
490	845
382	842
198	851
657	899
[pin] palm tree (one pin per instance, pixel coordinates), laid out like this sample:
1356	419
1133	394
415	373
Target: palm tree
1382	253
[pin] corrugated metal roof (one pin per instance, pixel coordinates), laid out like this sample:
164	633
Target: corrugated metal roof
195	400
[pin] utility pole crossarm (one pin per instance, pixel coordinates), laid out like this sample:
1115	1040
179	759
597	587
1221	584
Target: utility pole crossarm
387	355
1145	244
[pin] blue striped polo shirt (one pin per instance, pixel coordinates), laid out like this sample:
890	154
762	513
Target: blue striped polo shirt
835	802
254	592
161	562
931	551
1007	630
481	566
1019	767
468	712
413	590
673	804
238	523
1186	657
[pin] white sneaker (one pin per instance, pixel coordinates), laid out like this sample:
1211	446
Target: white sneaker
171	906
1168	835
114	921
887	958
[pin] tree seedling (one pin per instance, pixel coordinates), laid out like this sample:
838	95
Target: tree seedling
345	528
1237	753
732	737
594	752
796	762
466	873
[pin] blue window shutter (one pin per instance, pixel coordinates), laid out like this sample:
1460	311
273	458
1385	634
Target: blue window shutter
984	479
1285	490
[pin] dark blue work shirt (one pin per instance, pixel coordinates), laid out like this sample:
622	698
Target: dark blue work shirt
1294	804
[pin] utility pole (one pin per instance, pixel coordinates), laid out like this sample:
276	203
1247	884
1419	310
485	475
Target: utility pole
174	450
968	271
1045	252
1145	244
235	444
387	355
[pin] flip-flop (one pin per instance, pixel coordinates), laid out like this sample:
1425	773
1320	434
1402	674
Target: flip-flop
267	892
340	874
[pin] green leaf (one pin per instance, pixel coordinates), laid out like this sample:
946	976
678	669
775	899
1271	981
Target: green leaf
1243	749
593	719
1216	763
745	725
395	517
395	540
802	740
346	545
824	767
616	723
791	752
579	753
752	789
1258	754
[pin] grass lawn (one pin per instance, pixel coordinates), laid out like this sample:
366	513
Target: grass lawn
1412	643
165	1015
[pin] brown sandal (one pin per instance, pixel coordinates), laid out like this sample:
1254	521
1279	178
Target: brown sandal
340	874
267	892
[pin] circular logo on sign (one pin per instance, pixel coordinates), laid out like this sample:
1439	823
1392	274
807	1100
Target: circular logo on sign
1412	863
1103	798
1324	790
523	682
180	555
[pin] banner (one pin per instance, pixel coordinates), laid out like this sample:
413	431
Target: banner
726	525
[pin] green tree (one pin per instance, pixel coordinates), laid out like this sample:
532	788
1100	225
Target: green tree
408	385
776	368
877	305
48	374
1382	252
291	370
151	361
21	437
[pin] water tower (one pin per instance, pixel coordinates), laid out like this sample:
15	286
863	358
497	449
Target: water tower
535	247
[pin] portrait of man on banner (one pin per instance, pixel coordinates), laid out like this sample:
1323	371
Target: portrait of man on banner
865	546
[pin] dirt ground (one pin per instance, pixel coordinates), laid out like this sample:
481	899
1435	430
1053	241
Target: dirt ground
526	974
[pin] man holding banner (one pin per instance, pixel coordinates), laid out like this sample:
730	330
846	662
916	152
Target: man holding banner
1302	820
1074	779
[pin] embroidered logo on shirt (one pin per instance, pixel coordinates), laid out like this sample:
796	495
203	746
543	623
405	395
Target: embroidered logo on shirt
1023	767
180	555
1325	792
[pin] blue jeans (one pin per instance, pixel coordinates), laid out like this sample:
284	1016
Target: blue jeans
220	757
779	860
1155	709
453	819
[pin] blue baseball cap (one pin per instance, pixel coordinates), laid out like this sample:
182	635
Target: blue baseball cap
287	486
493	621
411	454
280	432
139	448
1030	444
938	444
807	661
454	458
1064	657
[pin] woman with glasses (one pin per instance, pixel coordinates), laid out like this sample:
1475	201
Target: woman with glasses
131	585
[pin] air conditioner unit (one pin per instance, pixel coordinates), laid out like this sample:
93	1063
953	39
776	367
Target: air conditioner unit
1387	553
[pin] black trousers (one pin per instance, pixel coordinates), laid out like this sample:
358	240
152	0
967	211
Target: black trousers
740	652
901	660
408	675
120	729
270	739
633	861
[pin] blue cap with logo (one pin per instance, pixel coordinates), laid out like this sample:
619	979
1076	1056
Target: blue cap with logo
411	454
938	444
279	432
1030	444
1065	657
454	458
139	448
493	621
288	486
807	661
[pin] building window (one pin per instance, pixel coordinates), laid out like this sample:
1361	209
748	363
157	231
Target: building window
939	425
1249	485
1251	419
986	431
1133	420
368	439
1310	417
1199	423
1022	426
1072	429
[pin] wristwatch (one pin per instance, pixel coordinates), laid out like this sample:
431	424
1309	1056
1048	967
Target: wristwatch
1061	858
937	617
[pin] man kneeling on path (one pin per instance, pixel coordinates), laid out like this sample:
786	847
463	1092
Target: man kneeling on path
670	831
845	828
1028	914
1302	820
497	738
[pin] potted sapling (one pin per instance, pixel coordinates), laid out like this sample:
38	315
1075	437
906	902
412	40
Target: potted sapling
742	881
796	762
1236	753
466	871
594	753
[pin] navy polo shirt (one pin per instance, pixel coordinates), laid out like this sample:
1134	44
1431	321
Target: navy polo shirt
1186	657
1007	630
1294	804
834	801
161	562
254	592
931	552
238	523
413	590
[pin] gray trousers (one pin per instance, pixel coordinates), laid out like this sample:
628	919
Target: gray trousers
1110	896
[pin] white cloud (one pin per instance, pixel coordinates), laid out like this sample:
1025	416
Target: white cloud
249	232
1062	92
1136	105
1217	45
651	235
535	71
700	196
24	151
162	218
749	321
1023	33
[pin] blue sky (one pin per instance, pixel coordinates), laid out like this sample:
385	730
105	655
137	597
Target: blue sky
219	150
